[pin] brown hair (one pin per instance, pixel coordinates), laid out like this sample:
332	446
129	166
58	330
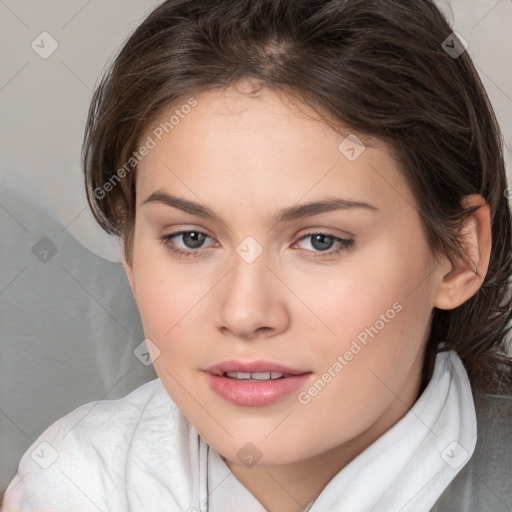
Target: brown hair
379	66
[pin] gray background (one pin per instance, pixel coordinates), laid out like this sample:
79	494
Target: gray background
68	323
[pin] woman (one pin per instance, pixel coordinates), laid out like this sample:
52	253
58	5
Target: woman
311	200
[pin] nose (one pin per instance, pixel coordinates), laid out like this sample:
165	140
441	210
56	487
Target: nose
251	301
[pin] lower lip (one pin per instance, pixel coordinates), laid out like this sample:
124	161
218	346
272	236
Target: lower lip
254	393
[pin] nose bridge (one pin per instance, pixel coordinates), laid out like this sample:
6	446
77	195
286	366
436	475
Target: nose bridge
250	270
248	279
248	299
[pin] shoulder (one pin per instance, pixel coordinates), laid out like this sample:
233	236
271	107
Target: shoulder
489	403
494	426
485	482
80	461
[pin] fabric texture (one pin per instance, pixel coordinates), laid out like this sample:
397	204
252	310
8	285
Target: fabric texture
140	453
485	482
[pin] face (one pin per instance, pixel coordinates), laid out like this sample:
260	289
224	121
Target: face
337	298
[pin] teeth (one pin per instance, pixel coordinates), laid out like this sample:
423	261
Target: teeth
239	375
255	376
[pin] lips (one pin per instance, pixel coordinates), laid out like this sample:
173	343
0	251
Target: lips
253	367
243	383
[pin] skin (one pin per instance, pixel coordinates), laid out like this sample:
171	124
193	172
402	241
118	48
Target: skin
245	158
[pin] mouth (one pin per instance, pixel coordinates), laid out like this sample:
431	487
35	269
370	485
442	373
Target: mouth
254	383
257	370
256	376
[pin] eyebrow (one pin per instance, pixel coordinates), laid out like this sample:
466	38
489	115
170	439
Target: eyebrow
295	212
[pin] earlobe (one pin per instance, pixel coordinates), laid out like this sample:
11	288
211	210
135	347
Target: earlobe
468	272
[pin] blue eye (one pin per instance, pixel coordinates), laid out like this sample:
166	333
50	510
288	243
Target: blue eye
322	242
193	241
190	238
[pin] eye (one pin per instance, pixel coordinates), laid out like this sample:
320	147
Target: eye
191	239
193	242
323	242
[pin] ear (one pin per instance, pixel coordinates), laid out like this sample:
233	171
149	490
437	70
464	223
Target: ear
467	273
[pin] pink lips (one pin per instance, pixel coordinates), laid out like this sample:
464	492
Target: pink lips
250	392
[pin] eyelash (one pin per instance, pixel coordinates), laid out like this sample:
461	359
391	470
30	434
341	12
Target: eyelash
167	241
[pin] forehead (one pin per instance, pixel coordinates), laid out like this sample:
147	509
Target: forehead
268	145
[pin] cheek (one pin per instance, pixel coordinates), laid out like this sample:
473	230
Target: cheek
378	342
166	295
373	295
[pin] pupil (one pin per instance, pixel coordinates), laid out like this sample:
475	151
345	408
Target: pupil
193	239
318	242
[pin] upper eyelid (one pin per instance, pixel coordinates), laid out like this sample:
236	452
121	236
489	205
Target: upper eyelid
338	239
185	231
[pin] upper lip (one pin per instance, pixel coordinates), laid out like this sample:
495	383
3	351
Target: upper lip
259	366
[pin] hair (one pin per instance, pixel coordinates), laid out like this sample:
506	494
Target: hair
377	66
